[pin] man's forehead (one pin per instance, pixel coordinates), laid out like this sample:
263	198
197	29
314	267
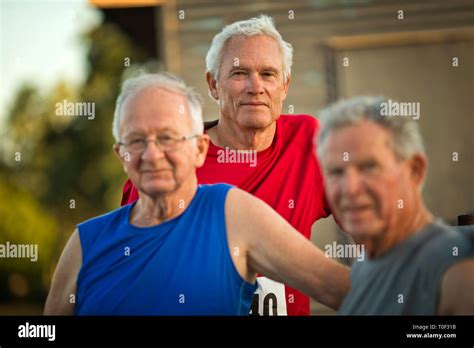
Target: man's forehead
134	129
161	94
363	133
362	141
240	44
155	108
154	125
241	54
157	101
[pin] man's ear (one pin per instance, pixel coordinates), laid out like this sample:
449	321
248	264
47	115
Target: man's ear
212	84
123	157
202	143
418	166
116	148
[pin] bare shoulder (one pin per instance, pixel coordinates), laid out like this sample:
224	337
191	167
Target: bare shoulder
236	195
256	215
457	287
71	257
243	203
250	222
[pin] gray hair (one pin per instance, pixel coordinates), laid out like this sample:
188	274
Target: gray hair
262	25
406	136
166	81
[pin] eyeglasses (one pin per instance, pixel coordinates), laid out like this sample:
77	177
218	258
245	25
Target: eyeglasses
162	142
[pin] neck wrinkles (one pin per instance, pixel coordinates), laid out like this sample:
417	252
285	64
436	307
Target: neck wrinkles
150	211
235	138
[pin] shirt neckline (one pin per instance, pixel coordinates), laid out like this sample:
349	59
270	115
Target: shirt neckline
409	241
213	148
171	221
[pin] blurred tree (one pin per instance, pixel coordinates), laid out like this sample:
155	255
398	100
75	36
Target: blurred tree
57	171
24	221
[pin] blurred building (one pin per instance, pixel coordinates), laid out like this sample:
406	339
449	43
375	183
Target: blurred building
413	51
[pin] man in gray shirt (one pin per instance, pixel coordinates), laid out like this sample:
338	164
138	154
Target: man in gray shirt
374	165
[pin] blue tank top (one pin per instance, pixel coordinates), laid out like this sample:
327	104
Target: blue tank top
180	267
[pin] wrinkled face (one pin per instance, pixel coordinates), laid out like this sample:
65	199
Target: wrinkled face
369	190
251	87
150	113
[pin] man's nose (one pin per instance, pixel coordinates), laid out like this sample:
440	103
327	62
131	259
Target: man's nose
255	85
352	182
152	151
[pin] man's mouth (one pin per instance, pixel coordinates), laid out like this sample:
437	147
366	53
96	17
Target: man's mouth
356	209
254	104
154	171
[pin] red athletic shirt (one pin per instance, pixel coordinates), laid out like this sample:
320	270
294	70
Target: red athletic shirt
287	176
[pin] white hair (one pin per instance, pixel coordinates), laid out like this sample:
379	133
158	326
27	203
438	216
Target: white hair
166	81
262	25
406	137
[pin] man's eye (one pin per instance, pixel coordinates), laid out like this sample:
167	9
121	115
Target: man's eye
165	139
334	173
369	167
269	73
136	141
238	73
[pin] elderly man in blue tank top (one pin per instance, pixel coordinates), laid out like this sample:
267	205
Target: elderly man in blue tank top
374	165
182	248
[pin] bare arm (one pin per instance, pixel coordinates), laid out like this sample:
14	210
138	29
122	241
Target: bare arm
272	247
457	289
64	279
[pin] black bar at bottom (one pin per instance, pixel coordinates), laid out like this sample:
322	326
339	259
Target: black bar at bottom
421	330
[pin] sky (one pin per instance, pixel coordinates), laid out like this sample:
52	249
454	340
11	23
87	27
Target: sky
39	43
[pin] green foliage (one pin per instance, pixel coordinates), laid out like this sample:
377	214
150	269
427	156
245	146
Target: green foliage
24	221
57	171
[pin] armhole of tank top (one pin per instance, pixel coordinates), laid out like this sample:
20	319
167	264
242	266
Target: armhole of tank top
82	241
83	263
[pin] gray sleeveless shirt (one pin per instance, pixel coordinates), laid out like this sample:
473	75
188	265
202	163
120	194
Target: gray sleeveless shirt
406	280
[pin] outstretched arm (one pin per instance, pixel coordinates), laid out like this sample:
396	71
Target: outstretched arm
272	247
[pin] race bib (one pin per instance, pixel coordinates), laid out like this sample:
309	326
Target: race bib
269	298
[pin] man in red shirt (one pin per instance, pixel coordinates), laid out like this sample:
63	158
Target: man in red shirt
256	148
